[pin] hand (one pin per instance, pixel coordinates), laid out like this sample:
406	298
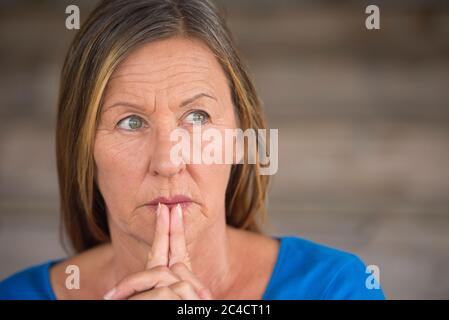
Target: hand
168	273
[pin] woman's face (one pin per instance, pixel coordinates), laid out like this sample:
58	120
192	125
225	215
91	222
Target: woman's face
159	87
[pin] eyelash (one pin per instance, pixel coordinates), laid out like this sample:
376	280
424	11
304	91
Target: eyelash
131	116
204	113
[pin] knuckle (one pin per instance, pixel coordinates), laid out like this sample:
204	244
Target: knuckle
165	291
125	283
131	282
178	266
183	285
162	269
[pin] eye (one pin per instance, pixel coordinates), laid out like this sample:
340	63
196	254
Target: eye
132	122
197	117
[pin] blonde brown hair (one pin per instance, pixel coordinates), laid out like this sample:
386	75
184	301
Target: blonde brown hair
112	30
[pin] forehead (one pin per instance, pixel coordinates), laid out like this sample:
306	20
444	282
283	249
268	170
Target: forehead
172	67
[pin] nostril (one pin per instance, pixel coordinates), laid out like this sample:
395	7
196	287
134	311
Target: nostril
165	168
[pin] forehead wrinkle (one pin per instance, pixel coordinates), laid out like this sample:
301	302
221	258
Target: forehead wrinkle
165	79
202	70
201	85
137	94
149	80
124	74
124	90
178	55
128	88
163	59
121	73
124	95
150	94
146	93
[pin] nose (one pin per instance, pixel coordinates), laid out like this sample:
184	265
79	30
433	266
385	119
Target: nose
160	163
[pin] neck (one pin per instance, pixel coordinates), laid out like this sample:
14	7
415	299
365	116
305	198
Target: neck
213	256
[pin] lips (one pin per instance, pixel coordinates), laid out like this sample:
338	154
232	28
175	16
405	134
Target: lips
182	200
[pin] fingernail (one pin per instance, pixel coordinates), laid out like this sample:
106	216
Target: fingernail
158	211
179	210
109	294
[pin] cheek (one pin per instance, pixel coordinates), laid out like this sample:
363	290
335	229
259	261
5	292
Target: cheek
212	180
120	169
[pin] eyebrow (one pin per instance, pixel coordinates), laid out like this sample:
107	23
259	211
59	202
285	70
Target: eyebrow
183	104
196	97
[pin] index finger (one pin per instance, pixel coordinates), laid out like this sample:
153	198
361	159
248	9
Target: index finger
178	247
158	255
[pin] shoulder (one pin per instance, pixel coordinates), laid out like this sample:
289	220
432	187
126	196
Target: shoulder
309	270
32	283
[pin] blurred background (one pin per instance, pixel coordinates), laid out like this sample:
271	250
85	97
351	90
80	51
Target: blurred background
363	119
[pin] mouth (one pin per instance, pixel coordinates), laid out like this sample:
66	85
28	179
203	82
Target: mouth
182	200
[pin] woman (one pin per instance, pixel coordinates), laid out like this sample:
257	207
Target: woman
142	225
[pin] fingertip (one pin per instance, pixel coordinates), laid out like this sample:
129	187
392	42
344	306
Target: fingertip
164	208
173	217
163	211
179	211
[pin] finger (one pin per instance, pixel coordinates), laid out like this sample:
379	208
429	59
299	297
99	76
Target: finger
178	248
183	273
158	255
142	281
185	290
163	293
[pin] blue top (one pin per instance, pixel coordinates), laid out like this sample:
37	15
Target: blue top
303	270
